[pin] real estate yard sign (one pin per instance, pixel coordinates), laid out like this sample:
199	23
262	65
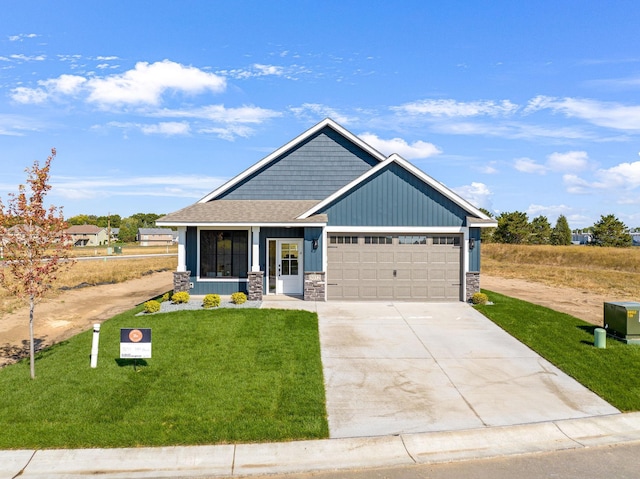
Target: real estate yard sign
135	343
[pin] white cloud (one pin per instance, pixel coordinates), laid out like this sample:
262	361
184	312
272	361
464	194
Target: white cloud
478	194
315	110
569	161
527	165
143	85
21	36
417	149
25	58
185	186
163	128
219	113
618	179
146	83
551	212
107	59
169	128
606	114
452	108
268	69
64	84
29	95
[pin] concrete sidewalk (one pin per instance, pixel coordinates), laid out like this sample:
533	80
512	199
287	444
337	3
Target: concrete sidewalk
322	455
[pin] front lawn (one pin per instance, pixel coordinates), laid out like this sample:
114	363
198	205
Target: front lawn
216	376
612	373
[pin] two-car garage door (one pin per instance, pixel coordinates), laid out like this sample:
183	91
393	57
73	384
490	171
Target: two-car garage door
398	266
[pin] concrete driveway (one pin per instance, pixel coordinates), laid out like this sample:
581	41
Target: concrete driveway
400	367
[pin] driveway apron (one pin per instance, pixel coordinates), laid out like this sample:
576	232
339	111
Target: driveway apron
396	367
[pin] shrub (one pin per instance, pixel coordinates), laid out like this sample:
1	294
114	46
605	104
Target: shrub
238	298
152	306
181	297
479	298
165	297
211	301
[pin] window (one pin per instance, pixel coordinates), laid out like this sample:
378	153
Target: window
378	239
454	240
412	239
224	254
343	240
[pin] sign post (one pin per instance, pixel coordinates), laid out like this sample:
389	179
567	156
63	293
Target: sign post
135	343
94	345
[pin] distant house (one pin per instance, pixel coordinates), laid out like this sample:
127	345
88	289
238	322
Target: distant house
114	234
87	235
155	236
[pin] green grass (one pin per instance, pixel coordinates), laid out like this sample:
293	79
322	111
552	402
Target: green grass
217	376
612	373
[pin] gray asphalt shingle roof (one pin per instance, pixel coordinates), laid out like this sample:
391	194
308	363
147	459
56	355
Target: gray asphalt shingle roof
245	211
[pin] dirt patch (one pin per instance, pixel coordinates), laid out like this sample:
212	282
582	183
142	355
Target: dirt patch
75	311
581	304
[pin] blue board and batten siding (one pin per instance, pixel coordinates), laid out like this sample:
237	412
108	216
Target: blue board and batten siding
394	197
313	170
474	254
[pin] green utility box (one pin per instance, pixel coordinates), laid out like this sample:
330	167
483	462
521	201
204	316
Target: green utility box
623	320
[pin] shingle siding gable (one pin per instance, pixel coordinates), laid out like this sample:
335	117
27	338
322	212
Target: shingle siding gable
313	170
394	197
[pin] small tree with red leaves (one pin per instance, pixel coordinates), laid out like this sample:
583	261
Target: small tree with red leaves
34	243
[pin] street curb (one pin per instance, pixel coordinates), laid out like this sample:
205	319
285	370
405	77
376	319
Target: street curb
321	455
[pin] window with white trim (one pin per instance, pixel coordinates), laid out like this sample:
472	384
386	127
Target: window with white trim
224	253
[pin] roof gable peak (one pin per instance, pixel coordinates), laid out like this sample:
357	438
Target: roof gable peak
327	122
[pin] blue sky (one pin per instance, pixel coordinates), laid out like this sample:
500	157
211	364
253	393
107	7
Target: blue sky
527	106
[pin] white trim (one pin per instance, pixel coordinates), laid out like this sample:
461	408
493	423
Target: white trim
182	251
395	229
395	158
255	249
325	261
299	139
482	224
222	280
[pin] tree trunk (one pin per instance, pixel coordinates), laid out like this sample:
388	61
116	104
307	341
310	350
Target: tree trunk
32	348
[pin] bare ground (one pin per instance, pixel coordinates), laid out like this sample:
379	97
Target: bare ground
75	311
582	304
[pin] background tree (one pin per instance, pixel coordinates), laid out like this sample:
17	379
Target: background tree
80	220
34	242
486	234
561	234
540	230
610	231
146	220
128	230
512	228
113	220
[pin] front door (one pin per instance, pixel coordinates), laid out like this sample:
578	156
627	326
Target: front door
285	266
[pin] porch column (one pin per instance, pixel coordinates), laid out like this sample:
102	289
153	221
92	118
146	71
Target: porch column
255	249
182	252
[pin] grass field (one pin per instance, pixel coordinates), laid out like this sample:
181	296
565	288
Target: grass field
113	270
594	269
219	376
567	342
